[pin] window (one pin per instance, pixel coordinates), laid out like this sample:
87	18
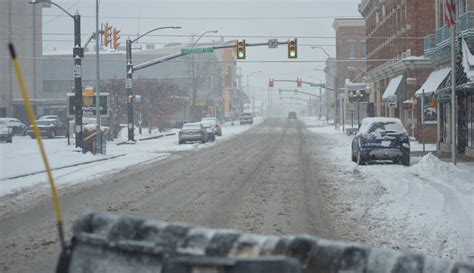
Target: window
363	50
351	50
470	121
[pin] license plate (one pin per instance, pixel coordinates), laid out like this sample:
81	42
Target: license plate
386	143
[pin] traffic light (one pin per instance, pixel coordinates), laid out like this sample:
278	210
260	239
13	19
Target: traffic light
271	82
106	34
293	48
241	51
116	38
299	82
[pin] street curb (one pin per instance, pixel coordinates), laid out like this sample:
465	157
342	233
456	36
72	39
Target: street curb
148	138
63	167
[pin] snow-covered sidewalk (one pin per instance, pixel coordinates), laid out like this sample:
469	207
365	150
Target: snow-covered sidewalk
22	158
427	207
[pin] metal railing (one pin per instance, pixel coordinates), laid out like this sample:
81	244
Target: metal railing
438	45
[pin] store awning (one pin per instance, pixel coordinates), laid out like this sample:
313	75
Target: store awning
392	87
434	81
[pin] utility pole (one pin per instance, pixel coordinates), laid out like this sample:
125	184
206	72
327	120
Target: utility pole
78	54
98	147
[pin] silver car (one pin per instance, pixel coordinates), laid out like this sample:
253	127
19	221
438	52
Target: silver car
6	133
215	123
192	132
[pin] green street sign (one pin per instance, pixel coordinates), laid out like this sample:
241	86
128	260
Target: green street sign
444	97
186	51
317	85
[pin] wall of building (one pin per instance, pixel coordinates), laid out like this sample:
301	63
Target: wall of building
20	23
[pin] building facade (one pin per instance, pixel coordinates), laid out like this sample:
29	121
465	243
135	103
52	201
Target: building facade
395	63
437	47
350	66
20	23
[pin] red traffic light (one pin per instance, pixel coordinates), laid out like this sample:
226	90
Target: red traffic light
299	82
271	82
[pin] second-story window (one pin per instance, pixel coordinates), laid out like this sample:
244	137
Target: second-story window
351	50
363	50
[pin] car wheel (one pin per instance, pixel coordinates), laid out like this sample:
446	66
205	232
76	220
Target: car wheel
52	135
33	136
203	140
10	140
405	160
360	159
354	159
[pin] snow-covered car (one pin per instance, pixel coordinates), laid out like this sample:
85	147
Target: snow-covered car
381	139
49	117
246	118
49	128
6	133
17	126
192	132
211	131
215	122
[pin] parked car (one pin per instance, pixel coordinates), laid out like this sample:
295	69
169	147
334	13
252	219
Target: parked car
215	122
6	133
381	139
50	128
49	117
17	126
292	115
246	118
192	132
211	131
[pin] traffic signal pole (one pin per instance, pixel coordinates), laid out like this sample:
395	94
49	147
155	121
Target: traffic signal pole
129	89
78	54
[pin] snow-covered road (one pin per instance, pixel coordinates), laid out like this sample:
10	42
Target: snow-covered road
22	158
427	207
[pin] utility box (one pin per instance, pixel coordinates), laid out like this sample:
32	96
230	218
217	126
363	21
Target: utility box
90	139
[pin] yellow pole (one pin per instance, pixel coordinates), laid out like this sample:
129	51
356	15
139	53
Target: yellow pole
31	117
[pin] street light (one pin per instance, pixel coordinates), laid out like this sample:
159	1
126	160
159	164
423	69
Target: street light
78	54
335	82
128	82
202	35
248	88
192	70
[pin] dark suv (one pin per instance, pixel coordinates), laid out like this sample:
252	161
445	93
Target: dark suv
381	139
246	118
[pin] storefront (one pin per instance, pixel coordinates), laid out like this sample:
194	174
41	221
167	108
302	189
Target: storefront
464	107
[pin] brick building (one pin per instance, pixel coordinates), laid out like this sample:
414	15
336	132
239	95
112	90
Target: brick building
395	63
350	66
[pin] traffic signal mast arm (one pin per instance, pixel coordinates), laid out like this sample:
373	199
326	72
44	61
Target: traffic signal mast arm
179	54
312	84
302	92
293	98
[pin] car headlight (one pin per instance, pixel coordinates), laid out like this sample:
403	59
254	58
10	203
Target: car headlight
406	145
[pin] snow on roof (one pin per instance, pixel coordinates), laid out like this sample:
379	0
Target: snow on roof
392	87
433	82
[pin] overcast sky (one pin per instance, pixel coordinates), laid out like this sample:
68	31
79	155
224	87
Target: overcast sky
139	16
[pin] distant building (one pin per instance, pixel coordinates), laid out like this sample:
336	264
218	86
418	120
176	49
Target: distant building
351	51
395	63
20	23
209	75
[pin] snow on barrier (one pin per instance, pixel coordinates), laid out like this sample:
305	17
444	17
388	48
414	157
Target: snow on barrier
110	243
